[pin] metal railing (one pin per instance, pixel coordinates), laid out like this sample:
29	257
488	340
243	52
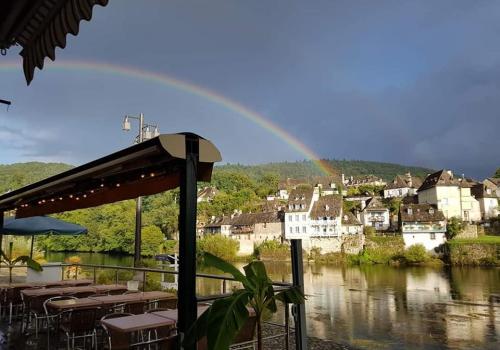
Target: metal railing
279	286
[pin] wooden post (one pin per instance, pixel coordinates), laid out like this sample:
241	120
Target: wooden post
187	242
300	309
1	228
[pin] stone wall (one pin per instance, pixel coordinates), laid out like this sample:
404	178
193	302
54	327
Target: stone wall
473	254
349	244
469	231
353	244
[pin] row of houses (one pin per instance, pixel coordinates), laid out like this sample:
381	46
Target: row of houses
315	213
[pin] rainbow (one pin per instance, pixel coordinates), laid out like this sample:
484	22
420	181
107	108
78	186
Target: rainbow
190	88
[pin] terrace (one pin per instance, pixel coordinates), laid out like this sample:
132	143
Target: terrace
61	309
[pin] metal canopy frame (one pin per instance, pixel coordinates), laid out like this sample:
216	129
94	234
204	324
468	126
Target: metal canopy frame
156	165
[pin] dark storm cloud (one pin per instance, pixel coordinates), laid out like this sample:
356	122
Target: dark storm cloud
408	82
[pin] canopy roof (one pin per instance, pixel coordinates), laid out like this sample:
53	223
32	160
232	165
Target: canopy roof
146	168
40	225
40	26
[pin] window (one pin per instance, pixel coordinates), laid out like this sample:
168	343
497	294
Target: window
433	236
304	217
297	206
410	211
324	229
302	206
297	218
291	229
290	217
297	229
444	201
303	229
431	211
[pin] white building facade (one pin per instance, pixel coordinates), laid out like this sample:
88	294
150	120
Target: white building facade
422	224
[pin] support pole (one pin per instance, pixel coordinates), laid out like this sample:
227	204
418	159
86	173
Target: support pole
138	226
1	228
187	243
138	209
300	309
32	242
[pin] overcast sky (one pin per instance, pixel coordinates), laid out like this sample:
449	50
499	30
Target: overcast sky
416	83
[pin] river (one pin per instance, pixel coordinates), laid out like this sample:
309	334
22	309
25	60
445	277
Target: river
382	307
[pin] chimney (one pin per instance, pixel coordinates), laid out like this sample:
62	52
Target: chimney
408	179
450	173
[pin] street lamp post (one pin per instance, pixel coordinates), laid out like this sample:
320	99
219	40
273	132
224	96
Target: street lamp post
145	133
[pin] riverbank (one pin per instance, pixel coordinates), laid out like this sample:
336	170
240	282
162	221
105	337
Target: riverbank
481	251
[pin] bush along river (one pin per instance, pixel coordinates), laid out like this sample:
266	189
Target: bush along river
383	307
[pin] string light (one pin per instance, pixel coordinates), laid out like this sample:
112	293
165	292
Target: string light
84	196
102	185
152	174
143	176
70	196
117	185
91	191
52	200
77	198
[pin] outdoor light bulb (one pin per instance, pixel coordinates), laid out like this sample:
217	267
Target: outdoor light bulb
102	185
52	200
152	174
70	196
84	196
117	185
156	132
142	176
126	124
91	191
77	198
60	198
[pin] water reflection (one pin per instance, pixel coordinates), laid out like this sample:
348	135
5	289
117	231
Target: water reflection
380	307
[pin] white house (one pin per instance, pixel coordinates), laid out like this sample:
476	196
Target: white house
219	225
206	194
326	217
493	182
351	225
367	180
486	195
422	224
300	202
375	214
402	186
451	195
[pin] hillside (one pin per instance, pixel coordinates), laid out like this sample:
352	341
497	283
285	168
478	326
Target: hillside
16	175
13	176
306	169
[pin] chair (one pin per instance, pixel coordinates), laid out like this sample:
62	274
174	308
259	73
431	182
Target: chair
14	299
170	303
84	294
49	316
135	307
116	340
78	323
130	292
36	311
165	343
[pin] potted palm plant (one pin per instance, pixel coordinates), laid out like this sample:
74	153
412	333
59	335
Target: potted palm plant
10	261
225	317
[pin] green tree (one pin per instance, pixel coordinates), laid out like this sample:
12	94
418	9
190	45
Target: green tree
497	173
151	240
454	227
225	317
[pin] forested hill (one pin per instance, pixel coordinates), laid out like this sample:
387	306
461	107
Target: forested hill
307	169
13	176
17	175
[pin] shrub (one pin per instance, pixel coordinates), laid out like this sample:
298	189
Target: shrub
221	246
416	254
272	250
454	227
369	231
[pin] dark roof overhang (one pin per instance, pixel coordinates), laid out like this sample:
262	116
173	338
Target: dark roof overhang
144	169
39	26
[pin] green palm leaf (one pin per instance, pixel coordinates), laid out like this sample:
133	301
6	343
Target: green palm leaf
32	264
218	263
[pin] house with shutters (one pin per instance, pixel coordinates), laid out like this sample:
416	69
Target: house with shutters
375	214
251	229
422	224
219	225
451	195
351	225
402	186
299	206
486	195
326	217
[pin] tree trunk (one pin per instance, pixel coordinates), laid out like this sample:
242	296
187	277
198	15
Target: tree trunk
259	334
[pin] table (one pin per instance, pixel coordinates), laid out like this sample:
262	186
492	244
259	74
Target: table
140	296
135	323
173	315
31	293
71	304
63	283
